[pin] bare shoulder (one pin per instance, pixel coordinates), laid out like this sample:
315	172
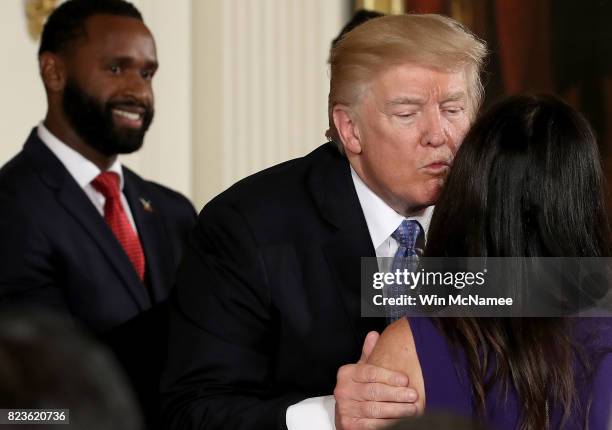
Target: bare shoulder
394	347
396	350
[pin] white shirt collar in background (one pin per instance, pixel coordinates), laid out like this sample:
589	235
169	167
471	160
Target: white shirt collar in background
81	169
84	171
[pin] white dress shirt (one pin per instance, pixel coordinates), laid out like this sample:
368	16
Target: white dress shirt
319	412
382	221
84	171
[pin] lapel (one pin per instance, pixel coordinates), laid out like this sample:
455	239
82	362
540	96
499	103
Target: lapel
150	231
332	188
78	205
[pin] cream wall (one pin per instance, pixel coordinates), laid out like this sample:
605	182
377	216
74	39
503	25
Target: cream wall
22	102
260	92
242	86
166	155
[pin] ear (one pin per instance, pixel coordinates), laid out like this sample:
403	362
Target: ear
52	71
348	129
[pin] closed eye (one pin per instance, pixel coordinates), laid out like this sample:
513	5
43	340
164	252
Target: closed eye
453	110
405	115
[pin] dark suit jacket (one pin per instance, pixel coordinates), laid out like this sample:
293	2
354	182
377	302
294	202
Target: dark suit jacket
267	305
57	251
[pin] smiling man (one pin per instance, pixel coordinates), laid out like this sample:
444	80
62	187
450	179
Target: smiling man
266	313
81	233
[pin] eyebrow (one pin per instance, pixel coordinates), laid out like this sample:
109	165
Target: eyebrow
415	100
126	61
454	97
405	100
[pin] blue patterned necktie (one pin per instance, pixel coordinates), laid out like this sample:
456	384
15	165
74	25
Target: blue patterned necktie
406	236
406	257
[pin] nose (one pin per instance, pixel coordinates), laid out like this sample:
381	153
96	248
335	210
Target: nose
433	130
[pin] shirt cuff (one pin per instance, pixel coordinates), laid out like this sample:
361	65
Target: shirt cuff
314	413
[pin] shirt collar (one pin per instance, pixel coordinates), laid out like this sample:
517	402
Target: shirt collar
80	168
381	219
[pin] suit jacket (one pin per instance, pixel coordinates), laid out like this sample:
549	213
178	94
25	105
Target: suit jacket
57	250
267	305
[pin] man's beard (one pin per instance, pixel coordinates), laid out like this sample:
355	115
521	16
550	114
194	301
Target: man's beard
93	121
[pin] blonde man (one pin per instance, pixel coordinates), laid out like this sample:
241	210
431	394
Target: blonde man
267	311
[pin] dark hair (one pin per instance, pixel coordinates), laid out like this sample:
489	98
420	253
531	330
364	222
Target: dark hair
361	16
530	175
48	362
531	184
67	22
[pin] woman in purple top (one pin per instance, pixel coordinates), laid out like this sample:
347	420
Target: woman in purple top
530	184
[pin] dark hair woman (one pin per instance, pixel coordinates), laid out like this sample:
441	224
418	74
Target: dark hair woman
527	182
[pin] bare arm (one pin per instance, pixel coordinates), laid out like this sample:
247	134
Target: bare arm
395	350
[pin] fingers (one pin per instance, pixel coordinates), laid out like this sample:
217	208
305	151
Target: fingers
368	346
375	392
379	410
367	373
385	393
362	415
371	397
370	424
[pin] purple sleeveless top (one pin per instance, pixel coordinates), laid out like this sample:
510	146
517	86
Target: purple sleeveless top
447	386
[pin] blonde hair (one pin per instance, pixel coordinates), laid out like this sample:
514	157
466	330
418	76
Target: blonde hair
429	40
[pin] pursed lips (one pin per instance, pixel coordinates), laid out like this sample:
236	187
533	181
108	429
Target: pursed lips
442	162
437	167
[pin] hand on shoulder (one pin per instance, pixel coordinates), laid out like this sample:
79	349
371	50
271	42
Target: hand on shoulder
370	396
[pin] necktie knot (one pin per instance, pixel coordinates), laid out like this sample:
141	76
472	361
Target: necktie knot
107	183
406	236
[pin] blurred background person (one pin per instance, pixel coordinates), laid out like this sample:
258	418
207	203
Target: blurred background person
358	18
435	421
48	361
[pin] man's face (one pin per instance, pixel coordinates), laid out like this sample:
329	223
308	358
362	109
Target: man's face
409	124
108	97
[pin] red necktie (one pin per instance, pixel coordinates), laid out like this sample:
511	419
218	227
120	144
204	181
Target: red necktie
107	183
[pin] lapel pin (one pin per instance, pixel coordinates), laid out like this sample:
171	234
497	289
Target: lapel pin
146	205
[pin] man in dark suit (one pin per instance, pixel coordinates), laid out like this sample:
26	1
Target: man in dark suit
80	232
62	244
266	314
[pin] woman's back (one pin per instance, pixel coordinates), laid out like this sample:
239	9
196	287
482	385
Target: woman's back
531	185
